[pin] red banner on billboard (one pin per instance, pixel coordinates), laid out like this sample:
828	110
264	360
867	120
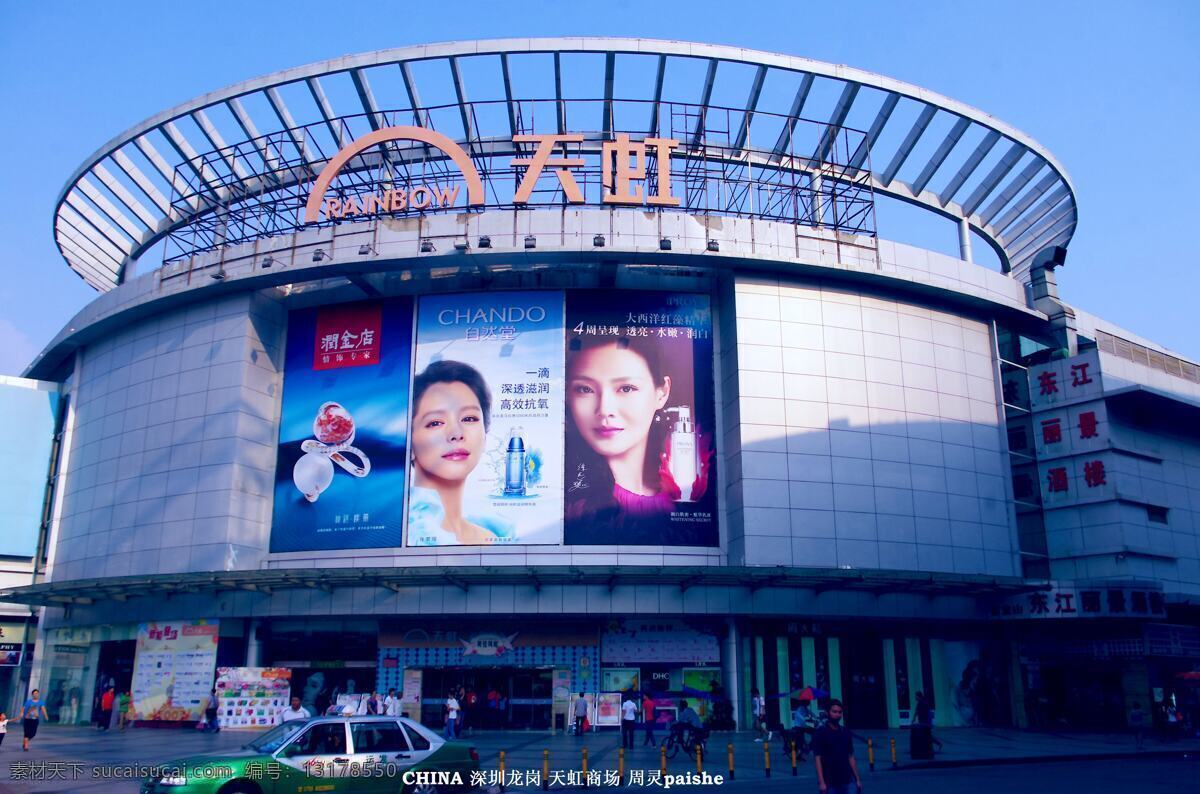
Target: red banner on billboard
347	336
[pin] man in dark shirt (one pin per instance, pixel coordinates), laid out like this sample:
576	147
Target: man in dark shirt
834	754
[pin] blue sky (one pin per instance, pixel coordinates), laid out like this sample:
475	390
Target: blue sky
1112	89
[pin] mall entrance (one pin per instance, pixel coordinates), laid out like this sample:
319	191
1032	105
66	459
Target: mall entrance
494	698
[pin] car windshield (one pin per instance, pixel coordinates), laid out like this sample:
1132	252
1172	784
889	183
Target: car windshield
275	738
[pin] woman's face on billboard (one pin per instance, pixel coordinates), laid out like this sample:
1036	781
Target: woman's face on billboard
613	398
448	433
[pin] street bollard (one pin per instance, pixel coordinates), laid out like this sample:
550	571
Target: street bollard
699	760
585	767
545	770
662	755
794	770
730	747
871	754
893	753
621	766
502	770
767	758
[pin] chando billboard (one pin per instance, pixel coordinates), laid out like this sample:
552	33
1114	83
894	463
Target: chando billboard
507	418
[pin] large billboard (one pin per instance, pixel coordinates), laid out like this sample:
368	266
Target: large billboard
505	418
343	430
640	420
487	420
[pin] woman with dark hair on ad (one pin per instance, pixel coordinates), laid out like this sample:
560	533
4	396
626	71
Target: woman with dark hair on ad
451	410
635	455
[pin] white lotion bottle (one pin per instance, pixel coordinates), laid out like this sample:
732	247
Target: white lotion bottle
684	463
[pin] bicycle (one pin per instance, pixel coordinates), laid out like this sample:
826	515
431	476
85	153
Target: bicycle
676	741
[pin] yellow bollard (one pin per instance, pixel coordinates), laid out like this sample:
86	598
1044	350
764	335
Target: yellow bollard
699	760
730	747
767	758
545	770
794	771
585	767
662	754
621	766
871	754
893	753
501	770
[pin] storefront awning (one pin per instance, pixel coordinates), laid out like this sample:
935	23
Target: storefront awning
124	588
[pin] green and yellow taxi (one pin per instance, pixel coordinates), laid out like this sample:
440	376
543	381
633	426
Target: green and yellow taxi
366	755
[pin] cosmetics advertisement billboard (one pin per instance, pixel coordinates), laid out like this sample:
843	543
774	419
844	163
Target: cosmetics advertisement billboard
487	420
640	420
342	458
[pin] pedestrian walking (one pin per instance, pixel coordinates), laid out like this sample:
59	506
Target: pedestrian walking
124	701
833	753
31	714
1137	724
3	727
452	710
580	714
107	700
758	707
212	709
648	717
628	722
921	738
391	704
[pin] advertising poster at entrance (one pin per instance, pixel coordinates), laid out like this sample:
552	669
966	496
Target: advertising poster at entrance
343	430
640	420
173	669
252	697
487	420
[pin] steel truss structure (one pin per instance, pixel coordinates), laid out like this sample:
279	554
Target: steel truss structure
740	110
258	189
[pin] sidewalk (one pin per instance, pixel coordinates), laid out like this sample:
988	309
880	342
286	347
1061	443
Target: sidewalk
83	753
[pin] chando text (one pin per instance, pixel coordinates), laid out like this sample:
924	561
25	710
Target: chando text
497	314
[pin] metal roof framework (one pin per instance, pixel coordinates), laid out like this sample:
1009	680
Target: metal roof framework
921	147
125	588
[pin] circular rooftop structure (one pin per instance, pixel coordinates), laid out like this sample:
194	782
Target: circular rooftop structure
746	133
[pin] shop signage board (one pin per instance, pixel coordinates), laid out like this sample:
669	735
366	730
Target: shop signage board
252	697
658	640
1077	603
173	669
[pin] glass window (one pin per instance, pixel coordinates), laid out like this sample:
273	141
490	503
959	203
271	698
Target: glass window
378	737
328	738
419	742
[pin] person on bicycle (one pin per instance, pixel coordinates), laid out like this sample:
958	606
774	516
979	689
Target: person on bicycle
689	721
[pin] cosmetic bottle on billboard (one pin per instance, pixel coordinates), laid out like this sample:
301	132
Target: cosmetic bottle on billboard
684	468
514	464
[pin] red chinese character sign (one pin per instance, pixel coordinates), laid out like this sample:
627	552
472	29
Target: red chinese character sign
1065	381
347	335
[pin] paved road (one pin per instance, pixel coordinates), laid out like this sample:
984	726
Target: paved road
83	752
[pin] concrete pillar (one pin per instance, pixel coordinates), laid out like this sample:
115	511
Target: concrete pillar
731	673
783	677
808	660
818	200
254	649
964	241
835	668
889	682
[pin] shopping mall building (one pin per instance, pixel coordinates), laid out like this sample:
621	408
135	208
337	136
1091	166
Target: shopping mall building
373	335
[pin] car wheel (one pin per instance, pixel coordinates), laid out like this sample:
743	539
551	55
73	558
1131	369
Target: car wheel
424	788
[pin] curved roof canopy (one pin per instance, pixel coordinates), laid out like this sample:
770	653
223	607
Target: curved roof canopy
921	147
